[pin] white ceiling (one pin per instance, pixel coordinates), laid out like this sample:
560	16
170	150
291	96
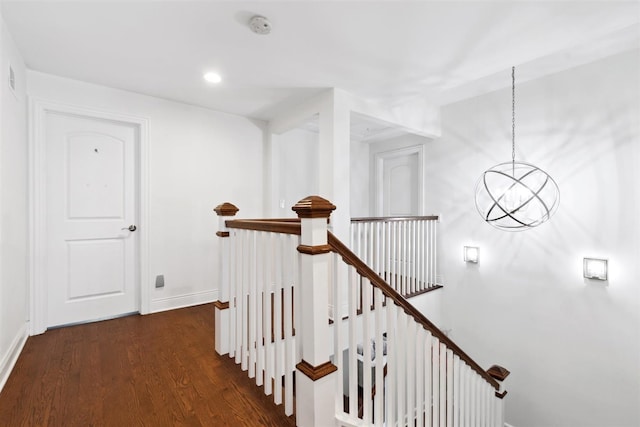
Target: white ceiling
386	51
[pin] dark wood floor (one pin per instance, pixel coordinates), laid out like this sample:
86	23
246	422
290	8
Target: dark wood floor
154	370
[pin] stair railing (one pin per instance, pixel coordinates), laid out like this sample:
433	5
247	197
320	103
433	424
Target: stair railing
255	313
427	380
402	250
373	359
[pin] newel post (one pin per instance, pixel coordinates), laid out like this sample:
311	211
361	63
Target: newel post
499	374
315	375
225	212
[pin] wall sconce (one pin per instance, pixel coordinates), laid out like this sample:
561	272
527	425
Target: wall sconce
595	268
471	254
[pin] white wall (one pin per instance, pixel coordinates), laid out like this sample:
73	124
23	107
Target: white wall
295	169
198	159
572	344
13	206
389	145
360	180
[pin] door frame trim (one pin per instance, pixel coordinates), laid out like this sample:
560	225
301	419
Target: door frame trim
38	108
378	170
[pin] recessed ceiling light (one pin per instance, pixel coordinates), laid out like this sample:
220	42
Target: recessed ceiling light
213	77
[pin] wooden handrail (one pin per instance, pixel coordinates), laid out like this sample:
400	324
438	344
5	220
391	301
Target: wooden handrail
285	227
274	219
350	258
395	218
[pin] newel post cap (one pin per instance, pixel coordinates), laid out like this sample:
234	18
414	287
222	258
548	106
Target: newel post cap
226	209
313	207
497	372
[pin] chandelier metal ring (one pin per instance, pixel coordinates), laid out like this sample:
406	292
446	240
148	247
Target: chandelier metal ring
514	195
516	182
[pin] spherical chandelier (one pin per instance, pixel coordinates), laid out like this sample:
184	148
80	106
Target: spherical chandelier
516	196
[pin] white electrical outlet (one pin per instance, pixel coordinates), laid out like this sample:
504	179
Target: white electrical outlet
160	281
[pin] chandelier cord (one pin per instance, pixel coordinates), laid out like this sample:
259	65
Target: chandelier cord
513	121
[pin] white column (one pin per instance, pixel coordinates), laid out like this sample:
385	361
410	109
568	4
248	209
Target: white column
334	164
316	374
225	211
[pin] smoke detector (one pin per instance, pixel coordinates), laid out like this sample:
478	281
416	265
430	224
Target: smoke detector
260	25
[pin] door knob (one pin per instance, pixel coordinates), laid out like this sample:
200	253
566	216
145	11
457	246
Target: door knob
130	228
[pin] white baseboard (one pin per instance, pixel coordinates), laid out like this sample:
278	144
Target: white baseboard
10	358
181	301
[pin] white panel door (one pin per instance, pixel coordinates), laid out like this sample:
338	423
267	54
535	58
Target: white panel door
91	255
401	185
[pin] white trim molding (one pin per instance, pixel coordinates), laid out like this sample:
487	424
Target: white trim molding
181	301
38	108
10	358
378	172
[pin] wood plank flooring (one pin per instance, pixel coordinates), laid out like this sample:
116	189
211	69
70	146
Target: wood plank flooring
154	370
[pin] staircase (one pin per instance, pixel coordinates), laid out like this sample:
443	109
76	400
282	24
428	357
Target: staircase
326	335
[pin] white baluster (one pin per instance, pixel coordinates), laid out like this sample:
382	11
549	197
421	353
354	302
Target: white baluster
233	285
457	385
424	242
484	404
252	310
369	249
267	314
450	378
443	385
401	364
354	280
428	378
425	257
480	387
420	377
244	296
430	242
435	379
474	399
479	401
435	265
410	247
381	349
410	351
387	251
239	299
378	249
392	351
404	288
338	268
277	320
290	245
420	257
491	419
366	351
464	396
297	306
429	257
393	241
259	305
414	256
409	260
